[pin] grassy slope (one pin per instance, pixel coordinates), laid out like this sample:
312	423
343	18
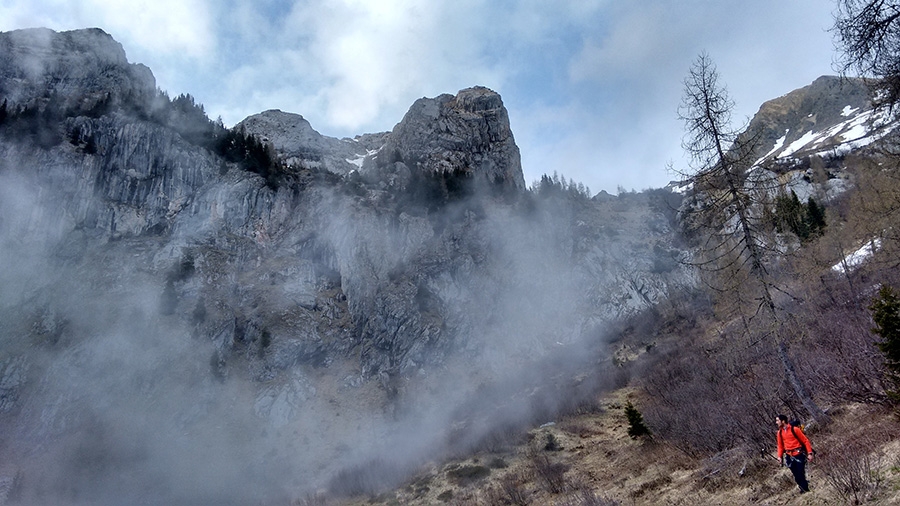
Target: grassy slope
599	457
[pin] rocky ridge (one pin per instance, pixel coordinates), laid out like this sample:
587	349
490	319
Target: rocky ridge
376	274
469	131
294	139
78	68
803	136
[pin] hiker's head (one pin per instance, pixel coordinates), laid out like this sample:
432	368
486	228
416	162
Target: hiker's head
781	420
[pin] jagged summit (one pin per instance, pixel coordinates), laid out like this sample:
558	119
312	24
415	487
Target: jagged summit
80	69
77	67
296	142
827	117
469	131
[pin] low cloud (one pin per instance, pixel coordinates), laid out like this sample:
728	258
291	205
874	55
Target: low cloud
352	67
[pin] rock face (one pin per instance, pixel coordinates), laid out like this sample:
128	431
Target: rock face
164	304
802	137
468	132
297	143
77	68
816	119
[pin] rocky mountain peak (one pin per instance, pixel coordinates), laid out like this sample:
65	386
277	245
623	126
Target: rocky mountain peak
478	99
468	132
78	68
818	117
297	143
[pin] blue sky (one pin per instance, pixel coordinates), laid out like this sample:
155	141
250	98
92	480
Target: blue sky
592	86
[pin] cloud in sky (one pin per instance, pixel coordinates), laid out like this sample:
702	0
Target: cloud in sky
592	86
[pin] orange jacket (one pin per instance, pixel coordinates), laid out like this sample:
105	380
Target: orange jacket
789	444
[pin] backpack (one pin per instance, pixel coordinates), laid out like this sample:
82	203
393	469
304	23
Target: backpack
795	423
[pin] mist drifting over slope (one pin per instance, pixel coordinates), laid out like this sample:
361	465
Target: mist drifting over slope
178	329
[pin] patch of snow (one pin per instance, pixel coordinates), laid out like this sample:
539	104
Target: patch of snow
358	161
778	144
854	133
800	143
682	189
859	256
780	141
863	130
847	110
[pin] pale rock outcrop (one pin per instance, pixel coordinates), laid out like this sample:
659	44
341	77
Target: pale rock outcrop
468	132
294	139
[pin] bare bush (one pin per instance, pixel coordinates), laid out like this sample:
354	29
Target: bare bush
578	428
852	468
512	489
551	475
840	355
466	475
711	398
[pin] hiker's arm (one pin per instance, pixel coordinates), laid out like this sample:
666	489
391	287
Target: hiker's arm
805	442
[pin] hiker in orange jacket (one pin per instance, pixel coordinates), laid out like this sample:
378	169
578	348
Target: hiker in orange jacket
793	450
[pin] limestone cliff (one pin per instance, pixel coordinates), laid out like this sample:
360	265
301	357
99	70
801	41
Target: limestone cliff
77	69
161	290
468	132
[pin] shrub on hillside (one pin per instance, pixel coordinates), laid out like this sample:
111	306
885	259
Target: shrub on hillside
704	400
840	355
551	475
852	468
466	475
636	426
511	489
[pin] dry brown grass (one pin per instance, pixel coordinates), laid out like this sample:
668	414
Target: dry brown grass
599	465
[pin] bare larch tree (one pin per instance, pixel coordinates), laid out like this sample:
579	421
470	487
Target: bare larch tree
725	214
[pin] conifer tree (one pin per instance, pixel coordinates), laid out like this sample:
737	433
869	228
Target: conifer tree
636	425
886	314
815	218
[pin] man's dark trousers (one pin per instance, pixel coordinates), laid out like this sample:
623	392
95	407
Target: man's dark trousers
798	468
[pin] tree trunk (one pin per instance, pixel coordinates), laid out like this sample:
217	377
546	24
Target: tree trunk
799	388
